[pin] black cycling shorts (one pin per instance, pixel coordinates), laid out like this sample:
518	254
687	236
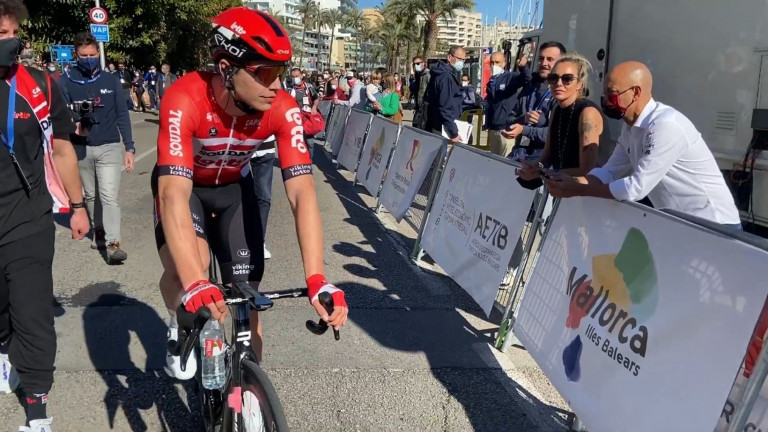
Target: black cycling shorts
227	216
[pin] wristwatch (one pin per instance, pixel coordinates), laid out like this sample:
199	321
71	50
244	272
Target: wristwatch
133	150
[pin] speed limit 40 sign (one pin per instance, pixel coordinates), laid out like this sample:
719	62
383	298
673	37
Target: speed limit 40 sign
98	15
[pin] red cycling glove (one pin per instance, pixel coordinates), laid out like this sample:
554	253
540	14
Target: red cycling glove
200	294
317	284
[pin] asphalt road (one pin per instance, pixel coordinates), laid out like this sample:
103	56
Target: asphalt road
414	356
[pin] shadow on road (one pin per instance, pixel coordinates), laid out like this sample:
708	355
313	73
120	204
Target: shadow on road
458	354
110	322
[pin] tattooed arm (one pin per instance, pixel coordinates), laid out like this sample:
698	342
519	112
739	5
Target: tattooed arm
590	128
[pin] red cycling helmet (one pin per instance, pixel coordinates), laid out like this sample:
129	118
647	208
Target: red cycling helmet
243	35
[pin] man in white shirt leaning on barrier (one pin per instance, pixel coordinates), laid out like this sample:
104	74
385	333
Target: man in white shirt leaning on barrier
660	154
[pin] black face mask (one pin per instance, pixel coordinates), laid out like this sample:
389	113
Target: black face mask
9	48
384	86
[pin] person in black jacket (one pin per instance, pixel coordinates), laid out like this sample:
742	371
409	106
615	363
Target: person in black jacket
97	141
444	94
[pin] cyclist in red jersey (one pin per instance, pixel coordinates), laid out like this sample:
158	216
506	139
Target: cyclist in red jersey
210	125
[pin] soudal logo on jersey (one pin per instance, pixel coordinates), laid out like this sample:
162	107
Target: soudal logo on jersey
174	132
225	155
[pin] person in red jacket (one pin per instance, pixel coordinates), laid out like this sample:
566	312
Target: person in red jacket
333	91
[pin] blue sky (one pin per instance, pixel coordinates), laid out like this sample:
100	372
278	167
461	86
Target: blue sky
489	8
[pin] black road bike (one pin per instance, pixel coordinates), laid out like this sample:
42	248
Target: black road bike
248	402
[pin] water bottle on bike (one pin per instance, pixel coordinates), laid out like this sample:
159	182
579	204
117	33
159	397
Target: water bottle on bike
212	347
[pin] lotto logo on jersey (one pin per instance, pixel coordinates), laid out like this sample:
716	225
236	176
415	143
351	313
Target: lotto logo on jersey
293	115
174	131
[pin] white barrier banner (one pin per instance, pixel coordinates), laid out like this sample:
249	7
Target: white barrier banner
415	152
352	145
638	319
379	143
474	223
338	125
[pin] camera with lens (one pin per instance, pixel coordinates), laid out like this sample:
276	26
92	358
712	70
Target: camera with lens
84	111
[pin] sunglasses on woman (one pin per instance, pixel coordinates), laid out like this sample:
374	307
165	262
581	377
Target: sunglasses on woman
567	79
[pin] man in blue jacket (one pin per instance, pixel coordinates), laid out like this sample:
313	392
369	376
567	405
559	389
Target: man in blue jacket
530	116
444	94
97	141
500	100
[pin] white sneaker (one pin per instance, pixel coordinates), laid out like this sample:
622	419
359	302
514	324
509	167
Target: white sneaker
42	425
267	254
173	363
9	379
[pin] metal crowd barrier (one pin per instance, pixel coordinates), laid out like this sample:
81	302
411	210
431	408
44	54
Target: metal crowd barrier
531	242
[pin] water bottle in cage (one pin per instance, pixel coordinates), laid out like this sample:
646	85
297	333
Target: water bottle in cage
212	345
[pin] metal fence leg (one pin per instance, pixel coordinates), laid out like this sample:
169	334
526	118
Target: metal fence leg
418	252
505	337
751	392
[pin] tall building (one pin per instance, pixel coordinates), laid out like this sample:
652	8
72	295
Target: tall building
464	29
288	9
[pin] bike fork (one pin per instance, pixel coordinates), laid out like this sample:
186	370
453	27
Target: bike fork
240	349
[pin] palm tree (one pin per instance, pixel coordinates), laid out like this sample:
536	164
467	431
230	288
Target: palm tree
332	18
390	35
308	11
431	11
355	20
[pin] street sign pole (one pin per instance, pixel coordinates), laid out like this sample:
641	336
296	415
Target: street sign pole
101	46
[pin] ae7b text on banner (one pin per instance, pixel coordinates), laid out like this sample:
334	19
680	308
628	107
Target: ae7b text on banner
476	219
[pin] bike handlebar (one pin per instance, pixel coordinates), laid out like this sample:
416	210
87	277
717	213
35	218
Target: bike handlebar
193	324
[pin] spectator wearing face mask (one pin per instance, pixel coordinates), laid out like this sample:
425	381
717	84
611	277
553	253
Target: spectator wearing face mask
333	91
500	100
355	88
470	96
150	78
53	72
418	91
444	94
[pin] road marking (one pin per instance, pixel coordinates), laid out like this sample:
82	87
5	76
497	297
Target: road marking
142	156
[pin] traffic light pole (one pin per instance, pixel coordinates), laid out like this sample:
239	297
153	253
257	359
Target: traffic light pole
101	46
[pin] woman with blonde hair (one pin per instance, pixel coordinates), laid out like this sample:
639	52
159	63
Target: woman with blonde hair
389	105
575	125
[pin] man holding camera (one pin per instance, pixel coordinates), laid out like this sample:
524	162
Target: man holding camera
101	116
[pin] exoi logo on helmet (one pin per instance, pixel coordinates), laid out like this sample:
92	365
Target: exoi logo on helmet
228	46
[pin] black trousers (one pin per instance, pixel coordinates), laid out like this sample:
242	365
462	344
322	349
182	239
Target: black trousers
26	308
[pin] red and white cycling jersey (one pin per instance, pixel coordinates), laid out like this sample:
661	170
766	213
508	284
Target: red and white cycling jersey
200	141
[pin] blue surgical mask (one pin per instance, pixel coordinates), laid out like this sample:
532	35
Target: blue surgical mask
459	65
88	65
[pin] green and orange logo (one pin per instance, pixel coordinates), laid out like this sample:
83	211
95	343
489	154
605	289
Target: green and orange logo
621	296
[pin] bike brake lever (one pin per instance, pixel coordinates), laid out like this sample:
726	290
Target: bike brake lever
201	317
320	327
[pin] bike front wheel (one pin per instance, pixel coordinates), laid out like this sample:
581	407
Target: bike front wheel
261	410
